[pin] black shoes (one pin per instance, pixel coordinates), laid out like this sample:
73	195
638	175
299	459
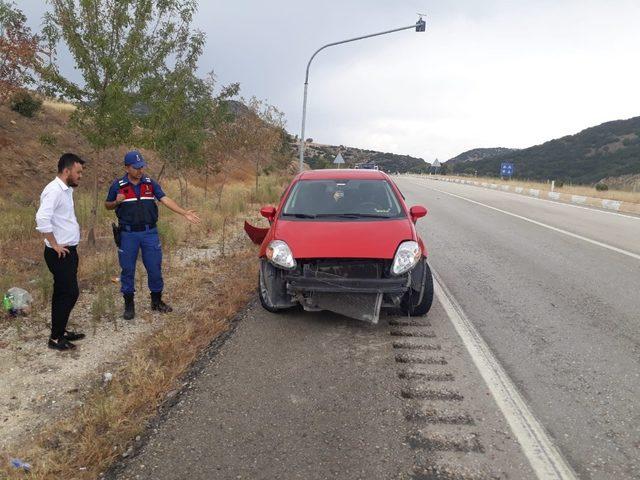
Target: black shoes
72	336
158	305
61	344
129	307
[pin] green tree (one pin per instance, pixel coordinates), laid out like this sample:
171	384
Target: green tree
176	105
20	51
116	45
267	137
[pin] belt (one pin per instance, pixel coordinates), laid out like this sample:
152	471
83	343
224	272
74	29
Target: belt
137	228
69	247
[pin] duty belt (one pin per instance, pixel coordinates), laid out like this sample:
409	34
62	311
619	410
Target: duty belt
137	228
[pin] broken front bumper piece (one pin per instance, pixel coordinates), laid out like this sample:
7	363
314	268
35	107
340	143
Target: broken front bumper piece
359	298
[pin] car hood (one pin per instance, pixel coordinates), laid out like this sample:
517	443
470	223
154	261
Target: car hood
361	239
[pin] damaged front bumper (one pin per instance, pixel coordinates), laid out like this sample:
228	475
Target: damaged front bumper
354	288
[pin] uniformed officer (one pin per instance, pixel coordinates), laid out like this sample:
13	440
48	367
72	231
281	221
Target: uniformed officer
134	197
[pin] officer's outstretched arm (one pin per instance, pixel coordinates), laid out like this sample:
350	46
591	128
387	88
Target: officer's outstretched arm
190	215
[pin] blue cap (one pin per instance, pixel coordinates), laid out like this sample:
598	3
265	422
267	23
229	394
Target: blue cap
134	158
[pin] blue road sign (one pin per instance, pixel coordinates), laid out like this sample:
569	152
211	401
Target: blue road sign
506	169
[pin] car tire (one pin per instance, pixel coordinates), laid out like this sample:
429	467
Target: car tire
263	291
418	302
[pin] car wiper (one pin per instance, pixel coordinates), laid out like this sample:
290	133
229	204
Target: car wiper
370	215
351	215
299	215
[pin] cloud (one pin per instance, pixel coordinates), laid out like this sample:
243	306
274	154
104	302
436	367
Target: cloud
486	73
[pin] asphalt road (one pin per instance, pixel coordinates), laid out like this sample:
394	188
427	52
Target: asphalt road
561	314
552	289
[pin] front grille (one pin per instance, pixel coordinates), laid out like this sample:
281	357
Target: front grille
346	268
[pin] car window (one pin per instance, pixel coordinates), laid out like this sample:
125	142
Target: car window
367	199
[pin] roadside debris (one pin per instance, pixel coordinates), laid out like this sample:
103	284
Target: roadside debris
17	302
19	464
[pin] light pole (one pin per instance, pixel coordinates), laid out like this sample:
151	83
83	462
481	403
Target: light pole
420	26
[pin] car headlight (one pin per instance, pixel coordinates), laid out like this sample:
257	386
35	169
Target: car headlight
407	256
279	253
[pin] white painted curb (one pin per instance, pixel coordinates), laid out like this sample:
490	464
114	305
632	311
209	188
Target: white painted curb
611	204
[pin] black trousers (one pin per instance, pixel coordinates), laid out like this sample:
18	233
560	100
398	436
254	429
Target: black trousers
65	287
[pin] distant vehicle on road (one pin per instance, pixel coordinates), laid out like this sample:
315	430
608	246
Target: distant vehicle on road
366	166
343	241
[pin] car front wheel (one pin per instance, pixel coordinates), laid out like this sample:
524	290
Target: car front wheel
418	299
271	288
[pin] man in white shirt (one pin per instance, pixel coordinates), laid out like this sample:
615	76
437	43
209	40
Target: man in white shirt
56	220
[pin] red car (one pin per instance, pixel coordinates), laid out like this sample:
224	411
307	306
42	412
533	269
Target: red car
343	241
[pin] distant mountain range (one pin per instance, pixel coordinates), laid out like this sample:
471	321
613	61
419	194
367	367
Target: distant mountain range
611	149
322	156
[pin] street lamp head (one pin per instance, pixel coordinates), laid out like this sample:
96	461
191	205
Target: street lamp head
420	26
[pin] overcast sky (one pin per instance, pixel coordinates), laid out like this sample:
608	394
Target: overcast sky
486	73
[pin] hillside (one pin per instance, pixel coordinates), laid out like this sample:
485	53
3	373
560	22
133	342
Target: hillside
478	154
611	149
322	156
30	148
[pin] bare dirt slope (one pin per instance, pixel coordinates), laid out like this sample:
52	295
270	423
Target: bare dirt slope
30	148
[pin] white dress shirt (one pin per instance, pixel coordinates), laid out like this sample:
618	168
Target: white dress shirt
56	214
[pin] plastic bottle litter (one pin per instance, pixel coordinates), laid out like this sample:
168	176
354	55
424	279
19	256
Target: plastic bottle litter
17	463
17	301
7	302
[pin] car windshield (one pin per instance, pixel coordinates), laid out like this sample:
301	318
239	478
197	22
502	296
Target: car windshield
366	199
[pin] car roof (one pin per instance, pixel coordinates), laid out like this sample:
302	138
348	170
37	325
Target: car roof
343	173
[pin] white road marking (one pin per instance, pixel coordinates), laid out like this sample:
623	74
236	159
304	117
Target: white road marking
544	457
535	222
561	204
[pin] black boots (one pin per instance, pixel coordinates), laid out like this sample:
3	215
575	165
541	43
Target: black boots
157	303
129	307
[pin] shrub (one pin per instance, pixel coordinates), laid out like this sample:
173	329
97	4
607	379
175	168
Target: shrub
25	104
601	187
559	183
48	140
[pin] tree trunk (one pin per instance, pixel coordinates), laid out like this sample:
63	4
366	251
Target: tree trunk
221	189
181	190
223	238
186	191
206	180
257	176
164	164
91	237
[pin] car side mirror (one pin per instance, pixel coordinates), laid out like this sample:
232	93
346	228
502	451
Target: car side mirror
268	212
417	212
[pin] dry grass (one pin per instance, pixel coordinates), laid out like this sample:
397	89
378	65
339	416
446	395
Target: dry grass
619	195
21	246
58	106
87	441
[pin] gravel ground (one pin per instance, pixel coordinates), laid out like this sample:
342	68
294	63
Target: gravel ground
38	384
